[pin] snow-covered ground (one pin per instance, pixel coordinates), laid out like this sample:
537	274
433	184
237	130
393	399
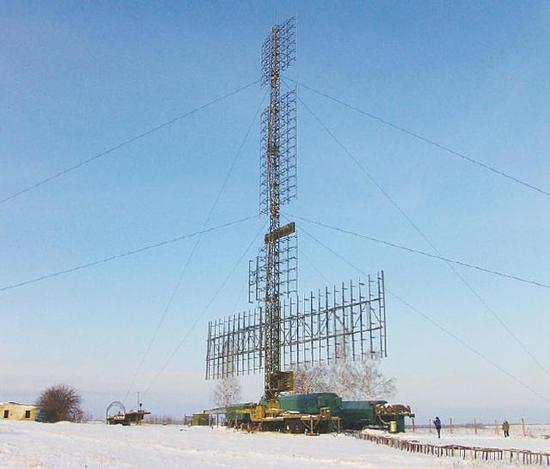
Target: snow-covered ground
537	437
64	445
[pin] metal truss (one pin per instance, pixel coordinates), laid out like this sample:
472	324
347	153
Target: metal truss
347	320
284	331
284	135
287	267
277	187
235	345
317	329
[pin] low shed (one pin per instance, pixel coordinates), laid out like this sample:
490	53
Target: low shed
17	411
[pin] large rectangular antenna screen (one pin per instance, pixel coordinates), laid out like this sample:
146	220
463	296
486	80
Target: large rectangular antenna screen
346	321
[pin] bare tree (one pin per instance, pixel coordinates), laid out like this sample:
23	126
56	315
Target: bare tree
87	417
360	380
60	402
351	380
227	391
308	380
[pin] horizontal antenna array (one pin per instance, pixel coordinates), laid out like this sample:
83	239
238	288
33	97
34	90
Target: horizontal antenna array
346	321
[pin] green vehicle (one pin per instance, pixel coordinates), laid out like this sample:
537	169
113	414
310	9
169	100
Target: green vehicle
317	413
357	415
311	403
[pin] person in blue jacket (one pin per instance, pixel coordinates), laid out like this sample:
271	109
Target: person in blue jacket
437	424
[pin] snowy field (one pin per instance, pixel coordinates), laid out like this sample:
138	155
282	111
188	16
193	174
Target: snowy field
67	445
537	437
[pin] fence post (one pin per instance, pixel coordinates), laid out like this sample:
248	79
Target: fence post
430	425
475	426
414	426
451	425
523	429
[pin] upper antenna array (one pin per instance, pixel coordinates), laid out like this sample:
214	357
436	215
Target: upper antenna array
279	49
278	139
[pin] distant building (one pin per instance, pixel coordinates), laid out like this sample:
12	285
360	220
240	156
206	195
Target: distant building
16	411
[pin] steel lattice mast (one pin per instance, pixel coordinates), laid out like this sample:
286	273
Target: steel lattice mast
284	332
272	303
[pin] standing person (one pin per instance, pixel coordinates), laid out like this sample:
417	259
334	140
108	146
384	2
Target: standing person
437	424
506	428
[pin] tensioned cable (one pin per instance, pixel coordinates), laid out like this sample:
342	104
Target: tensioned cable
390	199
125	254
436	324
205	309
426	140
194	248
124	143
424	253
239	296
470	347
313	266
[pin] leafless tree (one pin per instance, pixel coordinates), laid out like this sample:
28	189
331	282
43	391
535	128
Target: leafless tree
60	402
308	380
87	417
360	380
351	380
227	391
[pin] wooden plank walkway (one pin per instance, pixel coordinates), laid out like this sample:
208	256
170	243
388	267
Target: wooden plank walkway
520	456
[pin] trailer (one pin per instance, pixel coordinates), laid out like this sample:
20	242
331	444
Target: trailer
316	413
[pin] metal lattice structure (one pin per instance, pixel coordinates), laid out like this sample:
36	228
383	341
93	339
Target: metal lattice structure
278	49
288	270
316	329
278	157
284	331
283	119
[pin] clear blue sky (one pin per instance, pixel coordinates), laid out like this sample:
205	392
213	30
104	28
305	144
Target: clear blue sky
78	78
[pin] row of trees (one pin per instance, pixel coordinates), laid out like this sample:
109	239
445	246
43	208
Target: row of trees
351	380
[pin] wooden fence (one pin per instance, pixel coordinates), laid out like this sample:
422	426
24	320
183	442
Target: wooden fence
521	456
